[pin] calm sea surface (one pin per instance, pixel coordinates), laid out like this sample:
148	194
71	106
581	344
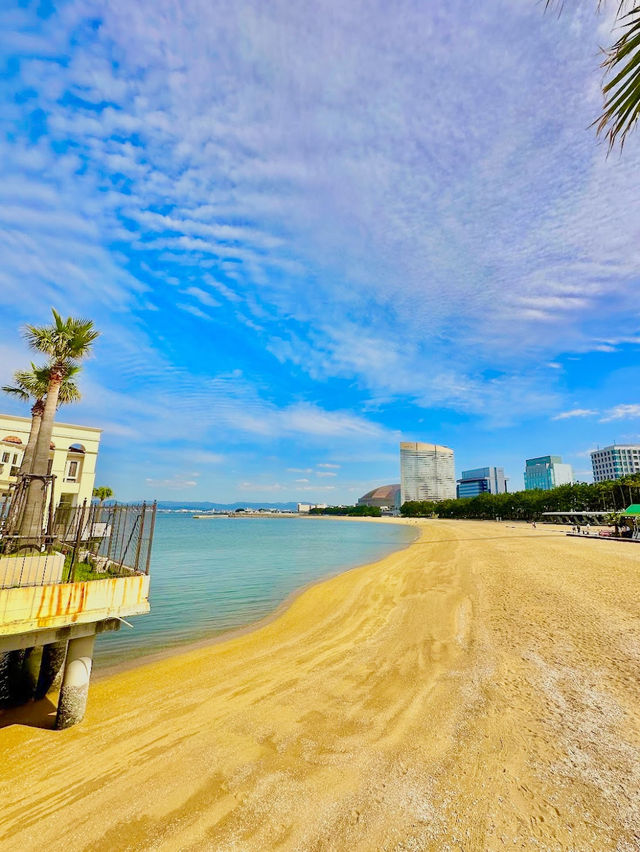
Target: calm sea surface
208	576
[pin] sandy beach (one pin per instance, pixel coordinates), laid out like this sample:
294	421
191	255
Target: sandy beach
478	690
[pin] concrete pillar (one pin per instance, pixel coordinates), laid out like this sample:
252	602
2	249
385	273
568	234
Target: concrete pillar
51	667
30	670
4	679
16	679
75	682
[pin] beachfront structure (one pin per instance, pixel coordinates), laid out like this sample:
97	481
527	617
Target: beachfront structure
427	472
305	508
72	457
546	472
482	480
89	573
384	497
615	461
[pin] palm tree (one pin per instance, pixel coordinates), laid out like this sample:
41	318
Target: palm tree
33	384
103	492
65	342
621	93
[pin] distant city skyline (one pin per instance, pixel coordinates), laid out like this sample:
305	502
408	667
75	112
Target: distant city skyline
297	265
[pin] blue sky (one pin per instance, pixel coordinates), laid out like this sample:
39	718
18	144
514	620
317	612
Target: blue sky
308	231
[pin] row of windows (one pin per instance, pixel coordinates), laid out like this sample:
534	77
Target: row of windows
72	468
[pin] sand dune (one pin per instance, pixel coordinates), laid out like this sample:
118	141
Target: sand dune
479	690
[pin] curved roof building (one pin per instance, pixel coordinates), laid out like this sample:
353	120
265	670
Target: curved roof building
384	495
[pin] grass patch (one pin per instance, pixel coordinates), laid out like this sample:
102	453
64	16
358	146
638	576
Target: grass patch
84	571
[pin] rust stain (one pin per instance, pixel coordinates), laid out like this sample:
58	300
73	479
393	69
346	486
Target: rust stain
68	603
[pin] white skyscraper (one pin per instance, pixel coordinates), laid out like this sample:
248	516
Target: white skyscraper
427	472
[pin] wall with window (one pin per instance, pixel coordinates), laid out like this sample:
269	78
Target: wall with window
72	458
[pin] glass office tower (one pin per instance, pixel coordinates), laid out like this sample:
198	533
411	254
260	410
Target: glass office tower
482	480
546	472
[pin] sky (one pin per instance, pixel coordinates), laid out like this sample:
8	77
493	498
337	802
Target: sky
308	231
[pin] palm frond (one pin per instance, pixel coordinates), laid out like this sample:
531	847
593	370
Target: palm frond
34	384
66	340
16	391
622	92
621	108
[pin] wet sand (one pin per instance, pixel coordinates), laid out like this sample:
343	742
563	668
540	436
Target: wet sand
478	690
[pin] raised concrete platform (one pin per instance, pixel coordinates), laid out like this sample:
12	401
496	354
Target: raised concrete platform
45	608
64	619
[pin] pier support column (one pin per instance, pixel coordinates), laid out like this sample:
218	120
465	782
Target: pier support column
75	682
53	656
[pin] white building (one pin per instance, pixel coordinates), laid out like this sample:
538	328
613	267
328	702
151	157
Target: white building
427	472
305	508
72	457
615	461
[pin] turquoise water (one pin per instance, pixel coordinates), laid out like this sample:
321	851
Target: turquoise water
208	576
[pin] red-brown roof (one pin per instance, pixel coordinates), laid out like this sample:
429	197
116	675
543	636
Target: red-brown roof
12	439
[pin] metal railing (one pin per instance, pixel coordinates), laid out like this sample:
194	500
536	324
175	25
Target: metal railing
86	542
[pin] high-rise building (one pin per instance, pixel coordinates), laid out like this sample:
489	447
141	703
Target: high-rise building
482	480
427	472
615	461
546	472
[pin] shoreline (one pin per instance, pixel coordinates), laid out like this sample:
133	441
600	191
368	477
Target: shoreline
110	670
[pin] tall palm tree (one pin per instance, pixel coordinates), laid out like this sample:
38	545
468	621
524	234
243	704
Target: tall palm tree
65	342
33	384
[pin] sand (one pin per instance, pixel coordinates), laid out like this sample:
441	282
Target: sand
478	690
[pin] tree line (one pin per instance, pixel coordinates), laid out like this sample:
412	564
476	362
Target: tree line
352	511
610	496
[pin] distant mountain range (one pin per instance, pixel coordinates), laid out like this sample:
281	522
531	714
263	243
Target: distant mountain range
224	507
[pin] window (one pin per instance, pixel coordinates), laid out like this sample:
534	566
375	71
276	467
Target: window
5	458
72	471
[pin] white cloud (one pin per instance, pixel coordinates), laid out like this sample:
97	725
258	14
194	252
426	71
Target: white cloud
202	296
328	465
174	484
326	473
621	412
575	412
434	271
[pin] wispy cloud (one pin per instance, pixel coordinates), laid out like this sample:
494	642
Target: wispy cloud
181	196
175	483
622	412
575	412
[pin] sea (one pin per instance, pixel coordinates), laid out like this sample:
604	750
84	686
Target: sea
215	574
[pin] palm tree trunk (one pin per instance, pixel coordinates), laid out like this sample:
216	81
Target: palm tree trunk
32	521
36	420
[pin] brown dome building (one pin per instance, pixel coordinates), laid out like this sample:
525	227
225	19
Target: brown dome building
385	496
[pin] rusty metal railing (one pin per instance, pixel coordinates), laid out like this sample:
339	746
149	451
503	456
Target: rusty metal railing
86	542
